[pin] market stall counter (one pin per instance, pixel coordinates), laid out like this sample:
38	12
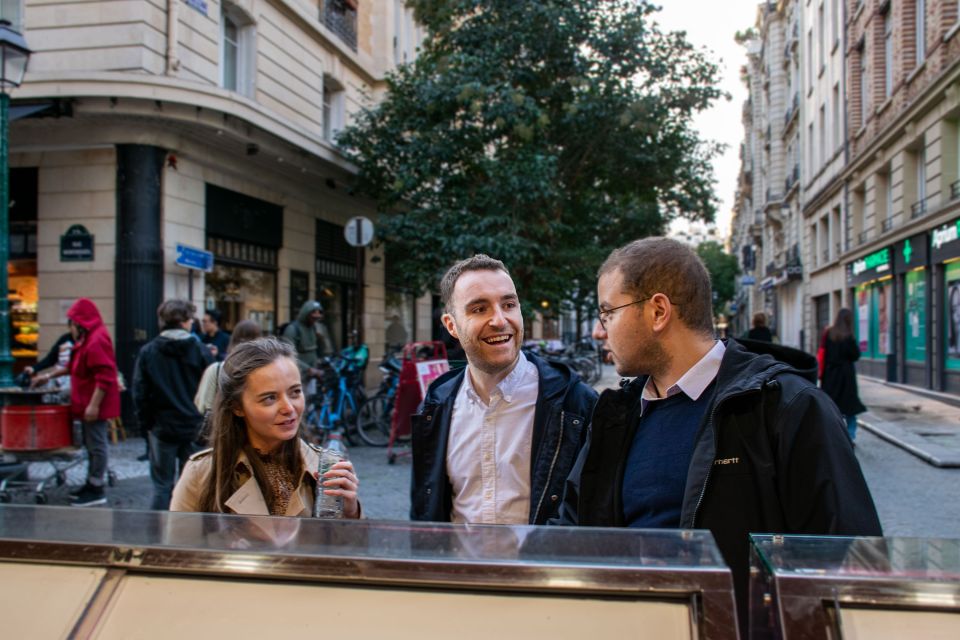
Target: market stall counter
820	587
123	574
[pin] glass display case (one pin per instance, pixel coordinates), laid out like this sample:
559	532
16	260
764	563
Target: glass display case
120	574
814	587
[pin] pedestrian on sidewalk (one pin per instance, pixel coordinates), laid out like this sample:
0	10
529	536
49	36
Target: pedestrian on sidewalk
94	393
245	331
760	330
165	380
260	463
839	379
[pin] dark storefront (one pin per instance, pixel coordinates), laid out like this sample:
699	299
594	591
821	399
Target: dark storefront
245	235
874	315
911	266
336	270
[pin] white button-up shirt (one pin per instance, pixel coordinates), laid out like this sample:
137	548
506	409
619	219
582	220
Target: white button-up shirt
489	447
693	383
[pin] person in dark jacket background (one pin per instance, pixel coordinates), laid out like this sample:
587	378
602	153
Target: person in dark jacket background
94	393
709	436
493	442
839	375
760	331
216	339
165	380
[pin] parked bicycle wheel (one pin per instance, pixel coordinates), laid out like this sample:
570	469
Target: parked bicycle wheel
373	424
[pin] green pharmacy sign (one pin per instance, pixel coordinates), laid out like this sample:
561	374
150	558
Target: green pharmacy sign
945	234
879	261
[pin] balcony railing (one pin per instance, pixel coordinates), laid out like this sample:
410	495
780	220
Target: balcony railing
340	16
838	248
862	237
887	225
955	189
918	208
826	256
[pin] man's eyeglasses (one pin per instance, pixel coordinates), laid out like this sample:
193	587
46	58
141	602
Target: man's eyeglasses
604	314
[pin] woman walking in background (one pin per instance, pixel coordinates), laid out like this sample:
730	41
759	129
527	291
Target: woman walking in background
839	379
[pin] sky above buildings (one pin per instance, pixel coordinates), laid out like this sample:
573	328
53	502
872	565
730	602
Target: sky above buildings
711	25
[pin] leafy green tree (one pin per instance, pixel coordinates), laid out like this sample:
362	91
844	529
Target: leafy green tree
723	269
542	133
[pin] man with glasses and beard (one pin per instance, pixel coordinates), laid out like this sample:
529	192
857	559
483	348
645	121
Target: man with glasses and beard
709	435
494	442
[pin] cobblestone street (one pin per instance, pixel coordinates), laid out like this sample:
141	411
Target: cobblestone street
913	497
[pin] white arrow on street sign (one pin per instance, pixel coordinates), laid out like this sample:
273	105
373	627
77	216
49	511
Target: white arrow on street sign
358	231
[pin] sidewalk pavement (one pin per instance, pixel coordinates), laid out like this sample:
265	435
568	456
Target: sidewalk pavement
917	422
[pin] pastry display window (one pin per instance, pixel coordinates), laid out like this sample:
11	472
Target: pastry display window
119	574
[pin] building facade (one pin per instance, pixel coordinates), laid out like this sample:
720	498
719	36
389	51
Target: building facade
149	124
879	180
823	160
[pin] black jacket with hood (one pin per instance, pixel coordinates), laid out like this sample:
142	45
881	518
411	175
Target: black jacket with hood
165	380
564	404
771	456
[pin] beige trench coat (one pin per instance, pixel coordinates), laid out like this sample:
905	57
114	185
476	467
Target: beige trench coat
248	499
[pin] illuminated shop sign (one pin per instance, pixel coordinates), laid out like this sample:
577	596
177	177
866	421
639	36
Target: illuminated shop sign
879	261
945	235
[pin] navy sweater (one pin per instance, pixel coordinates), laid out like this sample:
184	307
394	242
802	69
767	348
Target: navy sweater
656	470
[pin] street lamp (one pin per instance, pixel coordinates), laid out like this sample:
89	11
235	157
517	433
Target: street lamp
13	64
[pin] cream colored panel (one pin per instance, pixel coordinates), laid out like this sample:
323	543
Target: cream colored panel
43	601
875	624
146	607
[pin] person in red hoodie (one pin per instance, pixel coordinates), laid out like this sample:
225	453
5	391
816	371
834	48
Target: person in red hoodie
94	393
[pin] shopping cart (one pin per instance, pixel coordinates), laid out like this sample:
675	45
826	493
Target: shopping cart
34	433
423	362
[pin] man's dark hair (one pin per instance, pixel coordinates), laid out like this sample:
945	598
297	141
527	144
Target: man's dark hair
479	262
662	265
214	315
173	313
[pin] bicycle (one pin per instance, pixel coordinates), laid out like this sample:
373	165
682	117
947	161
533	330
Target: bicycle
376	413
335	407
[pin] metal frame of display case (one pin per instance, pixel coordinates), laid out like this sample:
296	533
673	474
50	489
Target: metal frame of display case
798	584
671	566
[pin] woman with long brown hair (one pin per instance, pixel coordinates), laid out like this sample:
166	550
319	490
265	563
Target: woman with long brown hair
839	379
259	464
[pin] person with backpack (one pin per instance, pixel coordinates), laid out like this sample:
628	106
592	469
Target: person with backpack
245	331
309	337
165	380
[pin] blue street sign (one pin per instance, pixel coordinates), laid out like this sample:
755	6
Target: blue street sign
748	281
193	258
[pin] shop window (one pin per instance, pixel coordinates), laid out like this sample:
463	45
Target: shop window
240	292
915	315
336	272
951	315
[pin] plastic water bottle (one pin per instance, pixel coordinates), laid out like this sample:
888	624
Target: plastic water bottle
326	506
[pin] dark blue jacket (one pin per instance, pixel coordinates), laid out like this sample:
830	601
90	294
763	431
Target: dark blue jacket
564	406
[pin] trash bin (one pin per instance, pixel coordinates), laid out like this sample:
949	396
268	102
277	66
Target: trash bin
892	367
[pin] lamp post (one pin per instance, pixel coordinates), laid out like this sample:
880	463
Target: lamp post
13	64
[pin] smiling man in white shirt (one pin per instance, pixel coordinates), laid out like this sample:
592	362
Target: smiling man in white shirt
493	443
